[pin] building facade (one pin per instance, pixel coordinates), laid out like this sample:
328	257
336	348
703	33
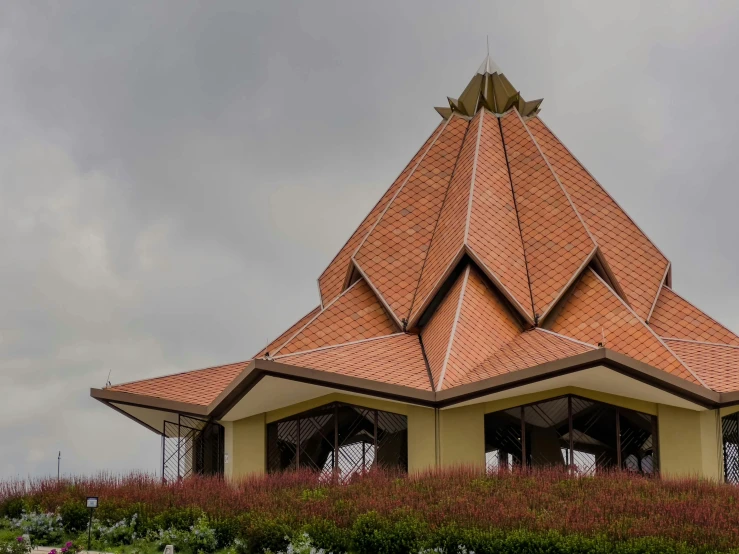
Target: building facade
495	308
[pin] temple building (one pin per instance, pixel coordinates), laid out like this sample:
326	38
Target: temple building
495	308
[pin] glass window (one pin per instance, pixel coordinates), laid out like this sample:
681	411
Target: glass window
570	431
338	439
730	432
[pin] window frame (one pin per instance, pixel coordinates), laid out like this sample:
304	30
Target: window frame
525	458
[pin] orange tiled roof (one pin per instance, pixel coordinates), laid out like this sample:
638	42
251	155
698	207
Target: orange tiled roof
492	223
677	318
392	255
555	240
529	349
332	280
716	364
594	313
638	265
199	387
394	359
282	339
470	325
354	315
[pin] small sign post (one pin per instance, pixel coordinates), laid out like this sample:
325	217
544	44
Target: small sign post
92	503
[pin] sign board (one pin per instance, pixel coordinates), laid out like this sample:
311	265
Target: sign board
92	501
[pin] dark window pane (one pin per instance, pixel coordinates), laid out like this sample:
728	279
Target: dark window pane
356	439
594	440
282	445
503	439
338	439
317	436
547	439
730	431
638	453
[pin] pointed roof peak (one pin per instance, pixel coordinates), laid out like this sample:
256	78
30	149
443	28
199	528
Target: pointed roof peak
489	89
488	67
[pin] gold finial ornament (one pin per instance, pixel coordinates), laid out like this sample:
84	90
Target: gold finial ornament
489	89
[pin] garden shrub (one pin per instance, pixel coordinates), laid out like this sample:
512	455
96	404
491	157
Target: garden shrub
260	535
226	529
75	516
12	508
328	536
41	528
373	534
17	545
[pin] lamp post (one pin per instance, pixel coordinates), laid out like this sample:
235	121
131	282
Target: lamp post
92	503
58	464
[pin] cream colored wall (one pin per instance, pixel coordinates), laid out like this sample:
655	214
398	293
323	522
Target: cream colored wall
462	436
689	440
689	443
248	443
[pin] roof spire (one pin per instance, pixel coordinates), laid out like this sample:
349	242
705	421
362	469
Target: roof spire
490	89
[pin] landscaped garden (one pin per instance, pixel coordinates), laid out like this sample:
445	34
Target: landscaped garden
452	512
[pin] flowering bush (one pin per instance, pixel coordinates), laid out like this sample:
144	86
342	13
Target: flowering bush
375	512
42	528
201	537
117	534
21	545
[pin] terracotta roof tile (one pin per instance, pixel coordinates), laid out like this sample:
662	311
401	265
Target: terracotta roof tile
395	359
354	315
479	211
675	317
484	326
200	387
593	311
282	339
636	263
437	333
392	256
331	282
449	235
716	364
555	240
494	235
529	349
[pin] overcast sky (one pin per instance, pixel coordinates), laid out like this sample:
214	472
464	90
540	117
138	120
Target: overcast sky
174	176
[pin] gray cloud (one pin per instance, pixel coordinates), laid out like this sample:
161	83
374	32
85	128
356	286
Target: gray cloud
175	175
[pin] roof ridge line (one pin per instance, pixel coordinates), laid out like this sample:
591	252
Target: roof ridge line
436	224
563	337
497	282
331	346
283	345
429	373
659	291
701	311
570	282
602	187
518	218
473	177
454	328
400	188
379	296
368	214
264	349
662	342
178	373
556	178
721	344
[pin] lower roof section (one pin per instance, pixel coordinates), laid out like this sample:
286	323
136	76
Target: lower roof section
265	385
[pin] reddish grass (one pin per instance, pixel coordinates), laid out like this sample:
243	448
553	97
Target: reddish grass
616	504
